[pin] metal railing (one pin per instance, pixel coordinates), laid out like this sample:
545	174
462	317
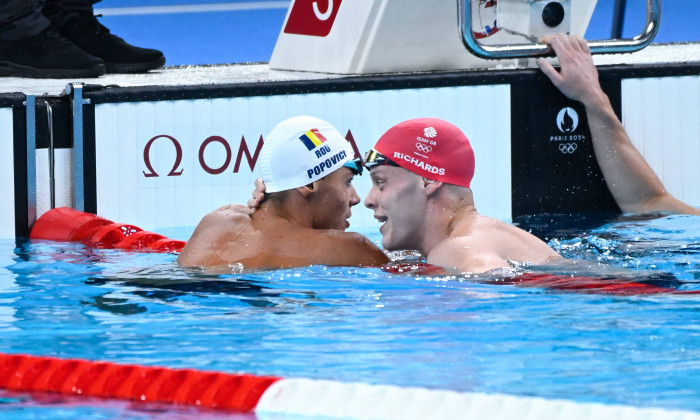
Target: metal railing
607	46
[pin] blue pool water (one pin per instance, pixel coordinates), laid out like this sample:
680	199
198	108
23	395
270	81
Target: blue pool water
459	333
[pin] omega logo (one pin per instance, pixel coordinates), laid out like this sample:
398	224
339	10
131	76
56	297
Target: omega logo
242	150
147	157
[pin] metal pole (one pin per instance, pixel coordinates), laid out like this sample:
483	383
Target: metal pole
52	162
609	46
618	19
76	92
30	104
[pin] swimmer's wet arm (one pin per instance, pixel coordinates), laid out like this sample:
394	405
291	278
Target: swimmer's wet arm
631	180
198	247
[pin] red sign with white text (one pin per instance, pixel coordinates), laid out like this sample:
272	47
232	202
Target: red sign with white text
312	17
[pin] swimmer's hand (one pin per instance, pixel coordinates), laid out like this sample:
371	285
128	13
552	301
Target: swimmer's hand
578	76
258	194
232	210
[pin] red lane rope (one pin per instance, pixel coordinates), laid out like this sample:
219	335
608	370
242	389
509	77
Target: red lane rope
240	392
579	284
66	224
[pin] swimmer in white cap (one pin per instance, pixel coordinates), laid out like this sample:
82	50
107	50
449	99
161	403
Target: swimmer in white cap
631	180
307	168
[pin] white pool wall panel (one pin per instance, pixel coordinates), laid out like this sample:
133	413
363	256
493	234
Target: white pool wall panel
662	118
122	131
7	173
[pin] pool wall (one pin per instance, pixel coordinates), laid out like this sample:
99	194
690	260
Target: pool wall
17	148
7	171
662	117
159	156
203	152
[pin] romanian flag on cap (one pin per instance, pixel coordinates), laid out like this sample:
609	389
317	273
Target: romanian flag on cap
312	139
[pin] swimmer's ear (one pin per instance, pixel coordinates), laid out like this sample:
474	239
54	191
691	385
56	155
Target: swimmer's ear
307	190
430	187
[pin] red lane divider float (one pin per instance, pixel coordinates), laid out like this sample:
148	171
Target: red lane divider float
290	397
238	392
66	224
579	284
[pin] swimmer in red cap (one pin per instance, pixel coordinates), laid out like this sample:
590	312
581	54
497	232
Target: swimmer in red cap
421	173
307	167
631	180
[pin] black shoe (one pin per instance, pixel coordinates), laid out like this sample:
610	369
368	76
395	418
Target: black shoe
47	55
120	57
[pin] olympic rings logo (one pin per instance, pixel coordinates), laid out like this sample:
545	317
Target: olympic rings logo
424	148
568	147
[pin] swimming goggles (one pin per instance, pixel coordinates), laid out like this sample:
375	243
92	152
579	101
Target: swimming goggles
355	166
374	158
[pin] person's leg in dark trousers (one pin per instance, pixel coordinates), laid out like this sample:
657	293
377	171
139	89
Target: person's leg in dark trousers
20	19
30	46
75	20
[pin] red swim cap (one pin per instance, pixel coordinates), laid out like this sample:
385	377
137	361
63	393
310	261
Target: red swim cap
431	148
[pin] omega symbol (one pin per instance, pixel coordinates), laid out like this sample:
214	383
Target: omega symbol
147	157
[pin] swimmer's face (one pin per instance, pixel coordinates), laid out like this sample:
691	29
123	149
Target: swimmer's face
334	197
400	204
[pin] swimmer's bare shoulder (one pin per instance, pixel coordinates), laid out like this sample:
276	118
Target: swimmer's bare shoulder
349	249
304	246
488	245
465	255
284	245
217	229
228	235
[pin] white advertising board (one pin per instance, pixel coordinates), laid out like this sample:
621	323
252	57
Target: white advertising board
167	163
7	175
662	118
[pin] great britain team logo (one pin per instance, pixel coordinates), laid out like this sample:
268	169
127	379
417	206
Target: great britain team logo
424	144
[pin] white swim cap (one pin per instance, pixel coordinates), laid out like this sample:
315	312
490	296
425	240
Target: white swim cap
301	150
